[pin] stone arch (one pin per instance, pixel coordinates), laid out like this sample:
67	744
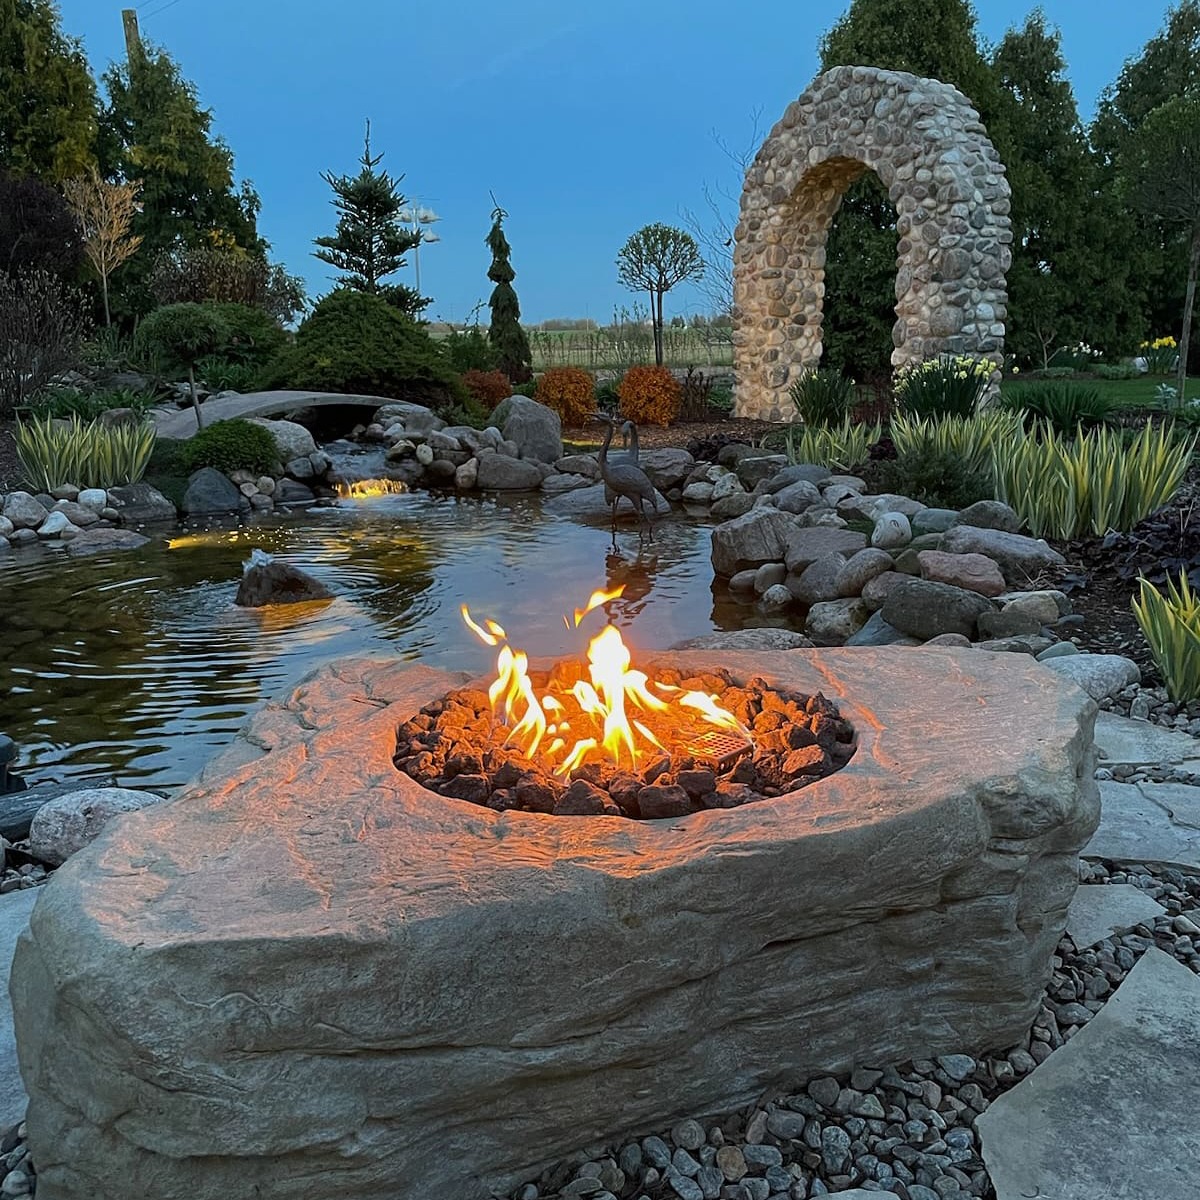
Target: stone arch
930	150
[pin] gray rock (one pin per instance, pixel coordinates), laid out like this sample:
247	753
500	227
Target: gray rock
990	514
698	493
1058	650
974	572
1007	624
1099	675
761	536
934	520
891	502
208	492
292	491
64	826
1020	558
923	609
300	468
746	581
498	472
861	568
309	789
589	503
667	468
877	632
776	599
56	525
535	429
736	505
586	465
277	582
818	581
1099	912
292	441
415	418
805	546
752	469
833	622
797	497
891	531
1044	606
796	473
101	541
557	484
140	504
23	511
79	515
876	590
768	575
748	639
14	920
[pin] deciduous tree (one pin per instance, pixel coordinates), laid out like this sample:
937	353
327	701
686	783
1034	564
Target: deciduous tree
38	231
505	332
105	212
655	259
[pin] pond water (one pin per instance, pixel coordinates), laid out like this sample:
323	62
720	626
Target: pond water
135	667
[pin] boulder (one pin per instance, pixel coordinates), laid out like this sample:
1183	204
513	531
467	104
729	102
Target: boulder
265	986
415	418
667	468
933	520
300	468
587	466
555	484
535	428
776	599
818	581
990	514
1099	675
761	536
466	476
292	441
589	503
23	510
736	505
699	492
805	546
795	473
754	469
1020	558
268	580
64	826
860	569
834	622
796	497
728	485
209	492
923	609
975	572
57	525
767	576
746	581
891	531
877	632
748	639
101	541
889	502
94	498
292	491
499	473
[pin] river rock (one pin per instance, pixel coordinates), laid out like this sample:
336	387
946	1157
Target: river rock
57	525
499	473
923	609
208	492
699	492
998	625
587	466
877	632
796	473
876	590
805	546
889	502
860	569
292	441
1045	607
64	826
736	505
140	504
101	541
753	469
284	960
1020	558
797	497
833	622
819	580
94	498
891	531
272	581
1099	675
292	491
761	536
535	428
990	514
466	475
974	572
933	520
23	510
415	418
557	483
667	468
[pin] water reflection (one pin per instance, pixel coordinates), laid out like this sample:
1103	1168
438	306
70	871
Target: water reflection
135	667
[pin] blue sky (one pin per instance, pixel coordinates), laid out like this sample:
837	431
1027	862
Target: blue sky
587	121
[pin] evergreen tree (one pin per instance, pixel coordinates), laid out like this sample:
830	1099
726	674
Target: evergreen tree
370	241
1069	279
47	94
930	38
505	332
153	129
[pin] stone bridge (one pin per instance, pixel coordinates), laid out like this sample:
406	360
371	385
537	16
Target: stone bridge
180	423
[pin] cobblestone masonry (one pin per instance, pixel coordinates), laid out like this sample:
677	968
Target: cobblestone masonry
928	147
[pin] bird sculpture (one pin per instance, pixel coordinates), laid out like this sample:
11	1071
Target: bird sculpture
630	454
626	479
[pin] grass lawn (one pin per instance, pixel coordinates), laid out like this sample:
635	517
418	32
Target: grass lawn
1125	393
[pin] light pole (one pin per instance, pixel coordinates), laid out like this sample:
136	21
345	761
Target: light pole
417	218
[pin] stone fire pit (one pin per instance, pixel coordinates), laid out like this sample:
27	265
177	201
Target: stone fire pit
309	977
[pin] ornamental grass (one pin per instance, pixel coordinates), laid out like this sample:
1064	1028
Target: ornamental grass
1170	624
87	454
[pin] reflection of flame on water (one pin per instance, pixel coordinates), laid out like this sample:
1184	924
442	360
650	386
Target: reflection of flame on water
606	714
363	489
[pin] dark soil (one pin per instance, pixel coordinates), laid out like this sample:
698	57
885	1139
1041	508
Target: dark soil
454	747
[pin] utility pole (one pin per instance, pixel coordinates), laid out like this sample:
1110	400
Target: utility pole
133	39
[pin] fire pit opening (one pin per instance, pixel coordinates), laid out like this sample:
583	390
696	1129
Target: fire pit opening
603	738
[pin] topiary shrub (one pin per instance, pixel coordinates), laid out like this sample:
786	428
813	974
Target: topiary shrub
252	336
570	391
487	387
228	446
183	334
650	395
359	344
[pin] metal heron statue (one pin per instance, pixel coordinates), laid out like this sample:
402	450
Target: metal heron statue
626	479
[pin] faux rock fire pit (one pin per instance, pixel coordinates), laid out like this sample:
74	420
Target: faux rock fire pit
309	976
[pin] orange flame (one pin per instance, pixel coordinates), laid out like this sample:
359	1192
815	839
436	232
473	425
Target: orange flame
602	704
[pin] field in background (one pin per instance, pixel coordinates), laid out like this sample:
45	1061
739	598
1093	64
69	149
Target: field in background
1119	392
617	347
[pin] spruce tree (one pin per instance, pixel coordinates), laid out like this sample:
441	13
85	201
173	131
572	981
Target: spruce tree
370	241
505	332
47	95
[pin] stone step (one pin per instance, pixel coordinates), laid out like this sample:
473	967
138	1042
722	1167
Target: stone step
1148	822
1124	741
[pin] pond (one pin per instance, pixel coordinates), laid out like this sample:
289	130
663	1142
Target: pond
135	667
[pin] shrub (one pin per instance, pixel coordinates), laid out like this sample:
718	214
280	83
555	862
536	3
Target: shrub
469	350
182	334
946	386
940	479
38	230
527	389
822	396
87	454
42	327
650	395
253	337
222	375
607	399
1067	489
226	275
235	445
842	447
359	344
66	402
696	395
1115	371
570	391
720	399
469	412
1067	407
1171	625
971	440
488	388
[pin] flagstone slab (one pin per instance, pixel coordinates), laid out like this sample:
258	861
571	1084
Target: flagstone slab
1113	1112
1101	910
1139	824
1124	741
14	919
